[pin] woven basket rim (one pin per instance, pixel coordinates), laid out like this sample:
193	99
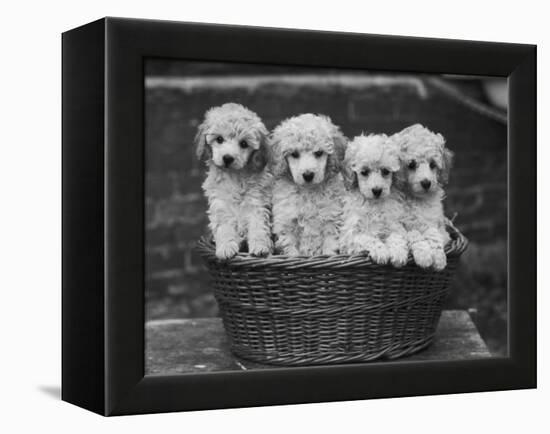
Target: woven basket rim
206	248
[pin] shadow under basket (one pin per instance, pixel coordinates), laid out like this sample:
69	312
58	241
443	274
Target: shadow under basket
285	310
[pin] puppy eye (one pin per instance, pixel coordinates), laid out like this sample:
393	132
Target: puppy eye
412	165
318	154
243	144
295	154
433	165
365	172
219	139
384	171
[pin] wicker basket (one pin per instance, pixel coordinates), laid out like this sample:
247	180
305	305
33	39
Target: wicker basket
328	309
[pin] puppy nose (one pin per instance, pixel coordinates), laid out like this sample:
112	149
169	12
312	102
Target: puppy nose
377	192
308	176
227	160
426	184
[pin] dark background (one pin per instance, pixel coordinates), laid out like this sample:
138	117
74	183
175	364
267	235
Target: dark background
177	95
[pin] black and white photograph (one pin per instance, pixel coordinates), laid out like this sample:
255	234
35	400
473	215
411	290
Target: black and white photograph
300	216
289	217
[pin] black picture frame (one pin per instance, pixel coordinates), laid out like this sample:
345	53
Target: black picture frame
103	216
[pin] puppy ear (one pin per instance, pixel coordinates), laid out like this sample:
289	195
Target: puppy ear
336	159
399	179
350	177
280	167
276	158
258	158
348	174
396	165
447	162
203	150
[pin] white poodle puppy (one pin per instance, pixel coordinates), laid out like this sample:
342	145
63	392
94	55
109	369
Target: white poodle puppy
232	141
374	207
426	163
307	151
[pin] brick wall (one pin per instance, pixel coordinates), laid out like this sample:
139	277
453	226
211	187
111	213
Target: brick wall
175	207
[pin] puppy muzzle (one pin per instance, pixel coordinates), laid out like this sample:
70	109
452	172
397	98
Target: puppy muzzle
227	160
426	184
308	176
376	192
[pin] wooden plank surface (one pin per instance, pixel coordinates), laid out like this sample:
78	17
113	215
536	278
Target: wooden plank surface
200	345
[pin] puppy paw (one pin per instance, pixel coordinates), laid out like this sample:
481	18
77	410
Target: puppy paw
227	250
422	255
439	259
399	257
259	248
398	250
379	253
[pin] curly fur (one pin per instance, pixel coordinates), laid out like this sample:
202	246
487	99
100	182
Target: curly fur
307	213
237	188
374	207
425	159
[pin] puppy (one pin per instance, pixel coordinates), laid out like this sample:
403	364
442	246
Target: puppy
426	163
374	207
307	151
232	141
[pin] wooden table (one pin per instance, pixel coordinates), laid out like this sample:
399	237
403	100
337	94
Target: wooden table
200	345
